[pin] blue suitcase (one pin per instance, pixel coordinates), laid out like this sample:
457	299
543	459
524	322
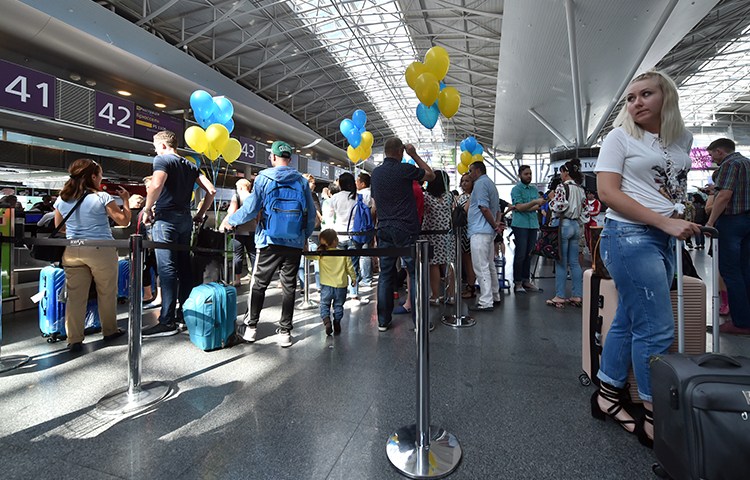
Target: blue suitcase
210	314
123	280
52	304
52	307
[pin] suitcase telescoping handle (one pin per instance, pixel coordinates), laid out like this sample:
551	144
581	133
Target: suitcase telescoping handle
713	235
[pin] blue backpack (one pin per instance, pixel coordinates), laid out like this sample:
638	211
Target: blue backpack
360	221
284	210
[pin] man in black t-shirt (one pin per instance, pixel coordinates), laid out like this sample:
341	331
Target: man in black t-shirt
170	194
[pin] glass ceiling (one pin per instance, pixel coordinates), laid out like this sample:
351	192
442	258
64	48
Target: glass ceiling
370	40
718	83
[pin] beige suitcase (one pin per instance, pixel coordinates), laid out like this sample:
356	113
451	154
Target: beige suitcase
600	304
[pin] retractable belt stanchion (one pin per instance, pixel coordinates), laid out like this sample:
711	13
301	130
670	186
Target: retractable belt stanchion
715	303
306	303
680	298
421	450
458	320
136	396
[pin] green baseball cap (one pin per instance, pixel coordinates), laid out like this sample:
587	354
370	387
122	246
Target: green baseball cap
281	149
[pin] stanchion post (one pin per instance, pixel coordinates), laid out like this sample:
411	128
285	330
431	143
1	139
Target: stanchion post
680	298
136	396
458	320
306	303
9	362
421	450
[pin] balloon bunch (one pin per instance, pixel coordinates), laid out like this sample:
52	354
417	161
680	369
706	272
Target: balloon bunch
471	151
360	140
214	115
426	81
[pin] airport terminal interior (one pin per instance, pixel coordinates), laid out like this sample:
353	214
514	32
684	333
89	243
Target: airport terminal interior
522	82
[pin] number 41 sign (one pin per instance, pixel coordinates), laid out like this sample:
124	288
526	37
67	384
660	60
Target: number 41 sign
27	90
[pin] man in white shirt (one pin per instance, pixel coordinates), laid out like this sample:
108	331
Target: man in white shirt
365	263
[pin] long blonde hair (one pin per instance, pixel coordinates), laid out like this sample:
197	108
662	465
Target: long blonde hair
672	126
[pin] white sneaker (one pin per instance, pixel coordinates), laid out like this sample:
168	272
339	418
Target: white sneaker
248	334
284	338
364	300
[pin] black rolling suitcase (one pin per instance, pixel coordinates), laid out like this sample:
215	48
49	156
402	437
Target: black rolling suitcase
702	409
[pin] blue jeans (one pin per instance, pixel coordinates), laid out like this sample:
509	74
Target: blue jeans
330	294
311	247
525	239
569	234
365	264
174	266
641	260
390	237
734	264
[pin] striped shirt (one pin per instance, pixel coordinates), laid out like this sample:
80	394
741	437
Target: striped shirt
734	175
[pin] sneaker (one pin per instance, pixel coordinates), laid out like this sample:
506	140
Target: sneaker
248	333
161	330
382	328
75	347
181	327
119	333
530	287
363	300
284	338
478	308
519	289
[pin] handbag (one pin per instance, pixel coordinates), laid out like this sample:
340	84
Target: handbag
458	217
596	257
548	243
54	253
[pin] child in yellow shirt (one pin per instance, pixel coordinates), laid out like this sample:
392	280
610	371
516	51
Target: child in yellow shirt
334	273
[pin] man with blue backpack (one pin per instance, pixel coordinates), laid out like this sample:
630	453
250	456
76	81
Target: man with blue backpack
287	219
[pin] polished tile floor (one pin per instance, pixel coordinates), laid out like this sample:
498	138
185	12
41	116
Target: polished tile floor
323	409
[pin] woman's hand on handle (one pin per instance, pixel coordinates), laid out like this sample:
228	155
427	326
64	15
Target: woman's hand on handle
681	229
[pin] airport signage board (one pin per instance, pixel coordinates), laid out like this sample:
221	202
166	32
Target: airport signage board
27	90
114	114
249	152
149	122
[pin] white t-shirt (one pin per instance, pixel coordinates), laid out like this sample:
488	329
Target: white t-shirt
339	209
644	168
366	196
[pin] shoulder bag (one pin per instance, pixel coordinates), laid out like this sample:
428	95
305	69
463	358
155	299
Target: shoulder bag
54	253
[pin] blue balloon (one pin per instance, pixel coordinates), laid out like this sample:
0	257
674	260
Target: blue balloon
442	85
410	161
202	104
354	137
345	126
470	143
428	116
224	109
463	145
229	124
204	122
359	118
478	150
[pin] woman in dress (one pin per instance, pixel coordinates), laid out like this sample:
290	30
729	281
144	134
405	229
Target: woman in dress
437	216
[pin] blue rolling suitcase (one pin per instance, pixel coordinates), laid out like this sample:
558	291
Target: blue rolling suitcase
52	307
123	280
210	314
52	304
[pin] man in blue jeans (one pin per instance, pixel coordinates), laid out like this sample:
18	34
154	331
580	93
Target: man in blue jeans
168	208
525	199
731	215
398	223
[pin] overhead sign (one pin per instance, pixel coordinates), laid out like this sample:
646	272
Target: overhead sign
27	90
149	122
114	114
249	151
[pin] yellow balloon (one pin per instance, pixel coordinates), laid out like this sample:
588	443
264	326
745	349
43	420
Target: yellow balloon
211	153
448	101
191	159
352	153
462	168
232	150
412	72
366	153
466	157
195	137
217	136
427	88
437	61
367	139
477	158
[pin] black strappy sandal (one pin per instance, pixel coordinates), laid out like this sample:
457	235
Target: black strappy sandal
648	417
619	398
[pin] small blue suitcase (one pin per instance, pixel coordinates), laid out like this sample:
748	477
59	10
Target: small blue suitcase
210	314
52	304
52	307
